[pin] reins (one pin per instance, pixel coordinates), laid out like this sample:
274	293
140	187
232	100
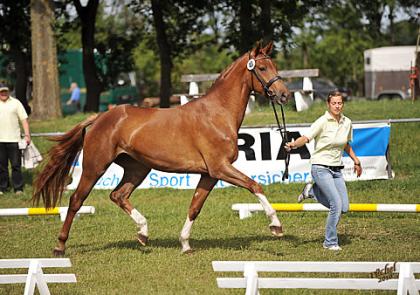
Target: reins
284	137
281	128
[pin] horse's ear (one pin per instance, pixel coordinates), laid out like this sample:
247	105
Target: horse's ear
256	50
268	48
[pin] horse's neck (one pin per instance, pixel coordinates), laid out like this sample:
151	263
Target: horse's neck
231	90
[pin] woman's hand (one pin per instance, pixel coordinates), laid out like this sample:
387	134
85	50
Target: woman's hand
289	146
358	168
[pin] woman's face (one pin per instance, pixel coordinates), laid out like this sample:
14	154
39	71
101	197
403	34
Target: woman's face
335	105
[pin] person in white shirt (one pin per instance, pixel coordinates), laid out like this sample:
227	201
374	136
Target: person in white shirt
11	113
333	134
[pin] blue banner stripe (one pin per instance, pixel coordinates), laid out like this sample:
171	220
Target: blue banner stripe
370	141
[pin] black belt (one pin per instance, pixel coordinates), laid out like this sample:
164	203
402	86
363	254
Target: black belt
333	168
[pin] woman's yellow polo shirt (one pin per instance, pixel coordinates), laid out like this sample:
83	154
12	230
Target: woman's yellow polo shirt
330	139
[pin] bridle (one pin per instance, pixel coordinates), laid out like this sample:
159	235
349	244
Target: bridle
251	65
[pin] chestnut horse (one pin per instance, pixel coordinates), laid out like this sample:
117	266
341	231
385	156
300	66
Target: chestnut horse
198	137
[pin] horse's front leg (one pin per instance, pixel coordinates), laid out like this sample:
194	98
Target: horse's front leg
203	189
230	174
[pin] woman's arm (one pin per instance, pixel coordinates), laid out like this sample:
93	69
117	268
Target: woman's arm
357	164
297	143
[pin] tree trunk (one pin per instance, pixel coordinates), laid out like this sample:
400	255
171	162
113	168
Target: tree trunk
22	75
266	25
164	53
46	91
245	24
94	86
391	18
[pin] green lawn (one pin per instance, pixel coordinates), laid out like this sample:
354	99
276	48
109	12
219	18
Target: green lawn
108	260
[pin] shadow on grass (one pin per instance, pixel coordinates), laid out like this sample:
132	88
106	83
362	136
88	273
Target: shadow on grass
233	243
238	243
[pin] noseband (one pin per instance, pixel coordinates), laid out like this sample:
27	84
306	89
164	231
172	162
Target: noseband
266	86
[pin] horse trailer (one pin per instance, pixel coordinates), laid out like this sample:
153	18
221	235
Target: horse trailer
387	71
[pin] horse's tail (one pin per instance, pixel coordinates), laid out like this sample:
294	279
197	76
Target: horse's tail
50	182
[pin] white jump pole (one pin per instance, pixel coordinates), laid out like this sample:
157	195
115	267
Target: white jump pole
245	210
62	211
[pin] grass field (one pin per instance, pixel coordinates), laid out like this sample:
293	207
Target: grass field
108	260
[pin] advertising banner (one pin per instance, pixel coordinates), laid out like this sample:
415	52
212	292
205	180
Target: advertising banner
261	157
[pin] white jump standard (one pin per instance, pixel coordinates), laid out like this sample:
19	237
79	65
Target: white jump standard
35	277
246	210
62	211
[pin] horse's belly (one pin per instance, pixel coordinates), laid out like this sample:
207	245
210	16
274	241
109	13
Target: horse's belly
170	159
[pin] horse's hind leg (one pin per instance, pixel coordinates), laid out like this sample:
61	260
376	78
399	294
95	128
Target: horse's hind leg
203	189
87	181
134	174
230	174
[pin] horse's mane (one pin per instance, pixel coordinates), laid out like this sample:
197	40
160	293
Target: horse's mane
226	72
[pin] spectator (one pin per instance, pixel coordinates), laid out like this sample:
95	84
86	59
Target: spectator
332	133
11	112
75	95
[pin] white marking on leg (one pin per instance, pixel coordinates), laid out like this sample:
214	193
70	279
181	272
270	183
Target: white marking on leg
269	211
185	235
141	222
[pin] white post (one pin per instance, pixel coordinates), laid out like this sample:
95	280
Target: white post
406	280
304	98
40	281
244	213
35	277
251	277
193	88
250	105
31	279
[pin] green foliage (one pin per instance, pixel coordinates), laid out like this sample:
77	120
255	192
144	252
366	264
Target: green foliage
148	69
210	59
117	35
15	36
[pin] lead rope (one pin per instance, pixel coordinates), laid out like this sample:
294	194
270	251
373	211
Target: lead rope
284	137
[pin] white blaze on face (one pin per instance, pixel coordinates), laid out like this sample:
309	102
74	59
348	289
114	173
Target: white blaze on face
141	222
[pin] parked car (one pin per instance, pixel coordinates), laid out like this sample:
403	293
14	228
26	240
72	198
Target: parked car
322	87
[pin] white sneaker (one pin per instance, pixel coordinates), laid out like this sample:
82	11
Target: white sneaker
305	192
333	248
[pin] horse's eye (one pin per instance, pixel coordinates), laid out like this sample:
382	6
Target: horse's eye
262	69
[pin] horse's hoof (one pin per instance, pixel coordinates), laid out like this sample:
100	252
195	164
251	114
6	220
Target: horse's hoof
142	239
276	231
188	252
58	252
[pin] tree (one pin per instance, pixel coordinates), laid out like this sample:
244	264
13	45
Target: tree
46	91
94	86
118	33
177	27
164	53
16	37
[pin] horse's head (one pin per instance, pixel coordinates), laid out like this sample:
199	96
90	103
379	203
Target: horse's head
264	74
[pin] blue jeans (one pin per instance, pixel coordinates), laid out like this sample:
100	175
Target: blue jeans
330	190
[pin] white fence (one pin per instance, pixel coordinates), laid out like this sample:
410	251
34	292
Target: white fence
382	275
35	276
303	97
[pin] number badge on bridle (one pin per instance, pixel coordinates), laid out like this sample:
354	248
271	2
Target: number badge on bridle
251	64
